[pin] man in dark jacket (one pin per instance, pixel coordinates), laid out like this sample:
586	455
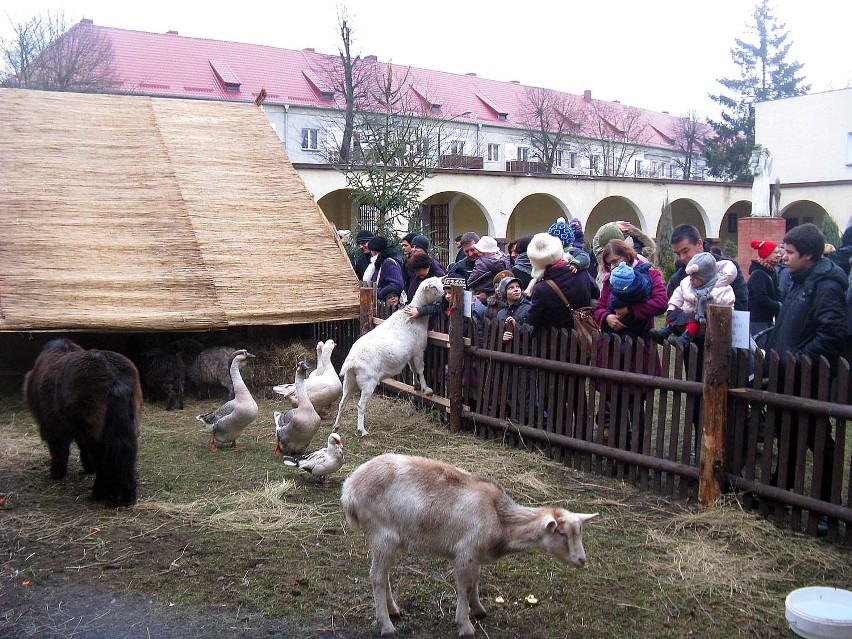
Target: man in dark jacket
463	267
812	322
687	243
362	239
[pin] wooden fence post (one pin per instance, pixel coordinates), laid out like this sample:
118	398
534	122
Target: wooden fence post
717	373
368	294
456	358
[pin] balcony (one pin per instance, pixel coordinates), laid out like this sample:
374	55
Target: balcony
453	161
522	166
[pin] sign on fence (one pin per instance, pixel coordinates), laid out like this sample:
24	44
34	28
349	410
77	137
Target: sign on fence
741	329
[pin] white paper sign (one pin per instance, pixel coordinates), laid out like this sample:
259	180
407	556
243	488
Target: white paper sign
740	329
468	302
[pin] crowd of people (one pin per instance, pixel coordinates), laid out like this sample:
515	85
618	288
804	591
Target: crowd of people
797	293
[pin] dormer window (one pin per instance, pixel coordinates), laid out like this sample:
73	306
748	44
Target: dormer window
226	76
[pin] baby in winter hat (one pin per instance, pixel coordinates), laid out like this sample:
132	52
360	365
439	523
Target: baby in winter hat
687	305
577	259
629	285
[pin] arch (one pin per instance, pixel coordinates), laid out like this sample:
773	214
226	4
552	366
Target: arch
612	209
803	211
729	226
450	213
339	210
688	211
534	214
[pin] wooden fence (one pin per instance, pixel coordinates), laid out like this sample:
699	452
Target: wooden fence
686	424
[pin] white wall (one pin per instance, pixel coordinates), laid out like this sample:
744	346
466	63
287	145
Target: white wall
808	136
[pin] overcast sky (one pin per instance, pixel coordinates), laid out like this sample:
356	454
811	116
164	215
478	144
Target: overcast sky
664	55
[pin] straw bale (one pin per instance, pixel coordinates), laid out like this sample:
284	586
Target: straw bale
138	213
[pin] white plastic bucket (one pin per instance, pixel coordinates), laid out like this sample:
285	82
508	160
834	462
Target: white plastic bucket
819	612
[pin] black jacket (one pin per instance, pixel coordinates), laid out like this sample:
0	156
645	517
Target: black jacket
547	309
739	283
763	295
812	321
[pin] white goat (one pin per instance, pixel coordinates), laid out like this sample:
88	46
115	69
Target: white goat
429	507
385	350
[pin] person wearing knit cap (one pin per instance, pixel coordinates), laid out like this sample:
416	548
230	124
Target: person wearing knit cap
517	306
687	305
546	306
764	296
629	285
577	259
579	234
406	243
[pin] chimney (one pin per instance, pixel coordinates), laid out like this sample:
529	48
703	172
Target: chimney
86	22
309	49
472	75
514	81
587	95
370	58
171	32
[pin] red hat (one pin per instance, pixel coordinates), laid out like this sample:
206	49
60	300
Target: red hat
764	248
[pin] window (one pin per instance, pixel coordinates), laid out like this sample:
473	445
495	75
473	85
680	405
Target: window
310	139
849	149
493	152
732	223
637	168
457	147
594	163
572	160
523	154
557	160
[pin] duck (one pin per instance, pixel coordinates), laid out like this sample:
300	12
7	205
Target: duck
226	423
323	462
295	428
324	390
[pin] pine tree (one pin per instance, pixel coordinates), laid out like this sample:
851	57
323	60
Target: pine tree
765	74
665	258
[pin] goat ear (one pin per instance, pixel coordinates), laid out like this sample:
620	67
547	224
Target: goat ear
551	525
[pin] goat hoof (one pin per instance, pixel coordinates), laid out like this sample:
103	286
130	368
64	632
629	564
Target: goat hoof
428	391
362	432
466	630
388	631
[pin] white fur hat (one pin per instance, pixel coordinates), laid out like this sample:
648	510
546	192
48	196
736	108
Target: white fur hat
543	251
486	244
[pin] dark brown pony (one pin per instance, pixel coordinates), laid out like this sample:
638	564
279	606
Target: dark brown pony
93	398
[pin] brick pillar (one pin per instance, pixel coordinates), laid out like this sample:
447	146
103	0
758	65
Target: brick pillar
757	228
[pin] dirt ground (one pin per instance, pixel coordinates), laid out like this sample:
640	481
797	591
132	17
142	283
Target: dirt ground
234	545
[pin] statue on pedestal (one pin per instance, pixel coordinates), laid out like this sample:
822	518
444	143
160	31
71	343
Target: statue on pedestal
761	167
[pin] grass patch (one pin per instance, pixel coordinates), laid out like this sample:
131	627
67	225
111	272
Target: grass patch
238	539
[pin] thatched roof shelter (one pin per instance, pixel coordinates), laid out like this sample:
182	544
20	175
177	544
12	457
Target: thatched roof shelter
131	213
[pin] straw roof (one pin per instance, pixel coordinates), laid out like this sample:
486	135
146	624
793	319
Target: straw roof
135	213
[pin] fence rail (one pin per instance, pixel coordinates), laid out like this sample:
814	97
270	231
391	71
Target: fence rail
776	432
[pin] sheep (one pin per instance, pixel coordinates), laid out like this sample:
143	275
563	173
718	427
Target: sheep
163	374
428	507
385	350
209	369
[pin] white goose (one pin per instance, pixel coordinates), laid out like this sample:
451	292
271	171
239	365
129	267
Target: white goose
226	423
295	428
320	363
321	463
324	390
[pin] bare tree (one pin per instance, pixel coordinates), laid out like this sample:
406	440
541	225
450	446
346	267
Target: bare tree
687	137
615	135
45	54
550	118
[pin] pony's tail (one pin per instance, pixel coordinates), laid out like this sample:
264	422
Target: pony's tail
120	446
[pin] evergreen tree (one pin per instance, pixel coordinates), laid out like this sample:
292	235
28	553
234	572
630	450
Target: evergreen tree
765	74
665	257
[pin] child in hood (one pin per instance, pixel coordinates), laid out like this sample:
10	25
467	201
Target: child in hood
707	281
